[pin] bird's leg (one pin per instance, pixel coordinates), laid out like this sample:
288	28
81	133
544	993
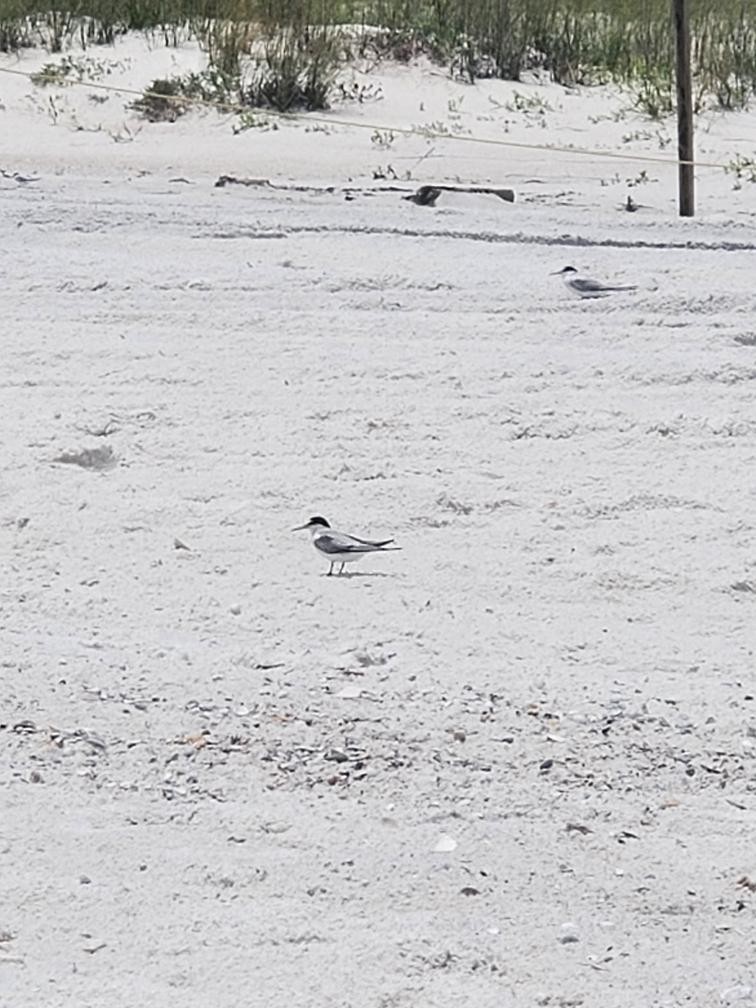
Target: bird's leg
342	568
330	570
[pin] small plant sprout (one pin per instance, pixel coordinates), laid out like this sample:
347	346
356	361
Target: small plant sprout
744	170
382	139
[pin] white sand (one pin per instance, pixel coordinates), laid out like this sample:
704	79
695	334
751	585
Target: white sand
224	777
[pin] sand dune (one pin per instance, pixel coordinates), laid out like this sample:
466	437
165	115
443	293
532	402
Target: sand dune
512	764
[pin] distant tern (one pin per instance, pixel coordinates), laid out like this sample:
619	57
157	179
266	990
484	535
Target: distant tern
585	287
339	548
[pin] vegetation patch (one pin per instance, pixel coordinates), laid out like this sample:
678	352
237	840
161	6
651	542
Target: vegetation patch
164	100
287	54
73	68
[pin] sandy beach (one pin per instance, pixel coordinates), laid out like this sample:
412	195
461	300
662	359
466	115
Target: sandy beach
513	764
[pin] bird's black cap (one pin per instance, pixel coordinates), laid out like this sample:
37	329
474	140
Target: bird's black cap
318	520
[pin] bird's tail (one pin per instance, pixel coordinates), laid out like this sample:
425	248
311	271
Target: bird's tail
384	544
376	544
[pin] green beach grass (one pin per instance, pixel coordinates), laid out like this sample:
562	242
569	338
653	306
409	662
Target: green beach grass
298	46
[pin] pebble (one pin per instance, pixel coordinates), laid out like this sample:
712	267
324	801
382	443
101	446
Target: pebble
738	993
445	844
349	693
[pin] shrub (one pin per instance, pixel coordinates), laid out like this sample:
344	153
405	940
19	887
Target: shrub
163	101
297	71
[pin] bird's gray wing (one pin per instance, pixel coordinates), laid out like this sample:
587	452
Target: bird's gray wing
337	542
585	286
372	542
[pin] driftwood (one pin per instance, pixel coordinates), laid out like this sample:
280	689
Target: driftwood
98	459
426	195
225	180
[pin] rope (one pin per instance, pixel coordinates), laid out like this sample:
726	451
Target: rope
429	134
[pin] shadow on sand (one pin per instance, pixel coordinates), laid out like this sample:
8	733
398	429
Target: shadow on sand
347	576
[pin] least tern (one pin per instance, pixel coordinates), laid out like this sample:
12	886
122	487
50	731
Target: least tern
338	547
585	287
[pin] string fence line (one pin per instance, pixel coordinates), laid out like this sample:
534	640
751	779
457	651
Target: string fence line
236	108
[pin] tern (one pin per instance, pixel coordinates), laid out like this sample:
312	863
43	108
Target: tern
339	548
586	288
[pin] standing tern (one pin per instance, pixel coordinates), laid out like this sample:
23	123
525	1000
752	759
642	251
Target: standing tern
585	287
338	547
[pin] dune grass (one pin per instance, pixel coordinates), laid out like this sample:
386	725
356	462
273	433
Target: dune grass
299	45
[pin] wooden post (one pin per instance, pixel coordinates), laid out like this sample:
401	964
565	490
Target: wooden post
684	109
